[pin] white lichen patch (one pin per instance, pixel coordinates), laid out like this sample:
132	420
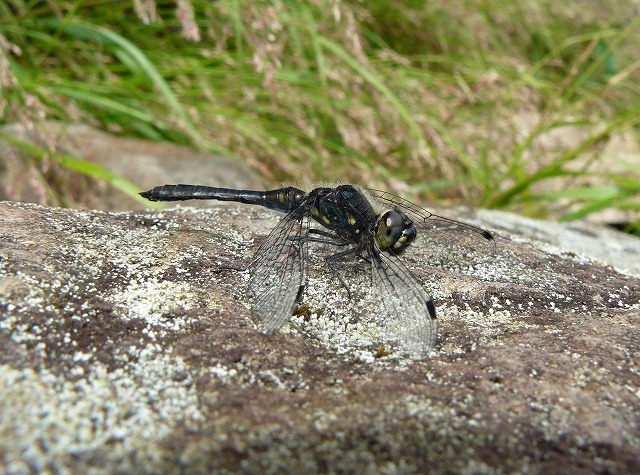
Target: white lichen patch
357	326
339	323
48	421
487	325
151	299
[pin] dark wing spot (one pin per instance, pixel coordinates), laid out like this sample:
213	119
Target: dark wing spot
432	309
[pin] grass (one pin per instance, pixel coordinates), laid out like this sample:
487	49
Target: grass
457	103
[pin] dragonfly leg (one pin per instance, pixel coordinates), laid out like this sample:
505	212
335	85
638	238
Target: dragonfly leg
329	238
335	257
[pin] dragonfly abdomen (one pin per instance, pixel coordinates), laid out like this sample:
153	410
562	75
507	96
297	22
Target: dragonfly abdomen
283	199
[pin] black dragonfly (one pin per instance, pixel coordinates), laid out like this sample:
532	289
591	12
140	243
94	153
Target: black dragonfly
374	225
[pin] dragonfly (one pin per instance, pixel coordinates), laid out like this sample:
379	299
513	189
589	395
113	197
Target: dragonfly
375	226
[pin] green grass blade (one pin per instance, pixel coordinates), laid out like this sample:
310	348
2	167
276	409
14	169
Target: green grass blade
105	103
88	31
630	119
598	205
81	166
317	49
376	83
584	193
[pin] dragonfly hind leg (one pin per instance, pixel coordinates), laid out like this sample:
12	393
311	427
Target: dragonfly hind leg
333	240
329	260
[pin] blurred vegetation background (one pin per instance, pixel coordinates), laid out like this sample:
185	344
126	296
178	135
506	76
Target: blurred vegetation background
502	104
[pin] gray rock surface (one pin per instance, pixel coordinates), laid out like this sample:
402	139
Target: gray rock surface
127	347
142	162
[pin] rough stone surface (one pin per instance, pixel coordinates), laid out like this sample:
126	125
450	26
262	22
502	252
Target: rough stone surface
142	162
126	347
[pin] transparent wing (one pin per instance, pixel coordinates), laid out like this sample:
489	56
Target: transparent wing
410	321
449	241
279	271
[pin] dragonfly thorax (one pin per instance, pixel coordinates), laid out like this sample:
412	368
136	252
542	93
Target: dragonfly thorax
394	231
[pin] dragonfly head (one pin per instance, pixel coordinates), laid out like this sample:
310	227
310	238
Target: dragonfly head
394	231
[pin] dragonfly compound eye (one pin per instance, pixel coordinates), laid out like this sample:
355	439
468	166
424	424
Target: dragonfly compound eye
394	231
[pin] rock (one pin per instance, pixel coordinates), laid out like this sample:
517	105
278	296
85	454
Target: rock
125	346
142	162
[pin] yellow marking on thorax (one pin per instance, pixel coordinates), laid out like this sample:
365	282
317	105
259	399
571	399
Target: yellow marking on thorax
316	214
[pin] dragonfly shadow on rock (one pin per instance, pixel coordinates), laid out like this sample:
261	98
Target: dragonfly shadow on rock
375	227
